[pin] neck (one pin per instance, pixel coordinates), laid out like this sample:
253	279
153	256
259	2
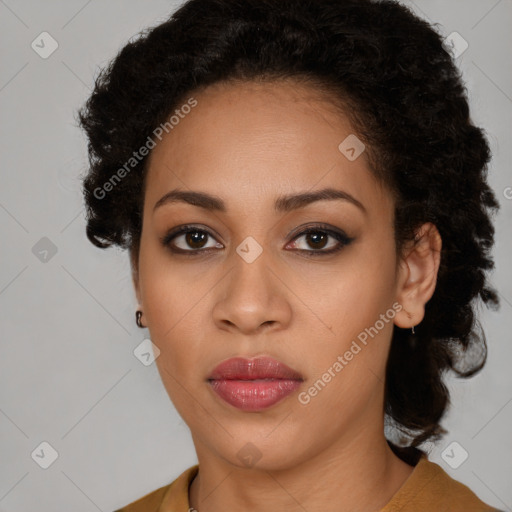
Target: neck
362	475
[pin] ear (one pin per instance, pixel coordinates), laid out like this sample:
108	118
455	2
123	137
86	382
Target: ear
417	276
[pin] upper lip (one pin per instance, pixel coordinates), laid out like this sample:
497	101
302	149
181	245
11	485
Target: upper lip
240	368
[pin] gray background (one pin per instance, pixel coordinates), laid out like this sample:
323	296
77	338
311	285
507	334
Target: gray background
68	375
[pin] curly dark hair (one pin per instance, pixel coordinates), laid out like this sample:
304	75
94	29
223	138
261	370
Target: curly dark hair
406	100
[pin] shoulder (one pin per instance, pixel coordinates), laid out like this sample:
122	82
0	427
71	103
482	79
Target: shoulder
429	488
149	502
173	496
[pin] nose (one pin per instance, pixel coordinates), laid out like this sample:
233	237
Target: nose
252	298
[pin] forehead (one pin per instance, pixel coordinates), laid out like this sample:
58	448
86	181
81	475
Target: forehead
252	141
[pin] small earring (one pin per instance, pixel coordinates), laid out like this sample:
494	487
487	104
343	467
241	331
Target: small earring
138	316
412	329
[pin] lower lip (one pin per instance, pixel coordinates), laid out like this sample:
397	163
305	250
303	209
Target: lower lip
254	395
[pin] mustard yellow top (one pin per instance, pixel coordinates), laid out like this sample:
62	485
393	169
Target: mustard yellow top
428	489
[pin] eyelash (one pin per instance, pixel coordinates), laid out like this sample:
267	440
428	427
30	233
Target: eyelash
341	237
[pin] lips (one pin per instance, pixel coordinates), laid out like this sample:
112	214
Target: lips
253	384
239	368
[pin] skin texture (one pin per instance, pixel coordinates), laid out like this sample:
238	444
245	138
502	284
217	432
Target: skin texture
247	144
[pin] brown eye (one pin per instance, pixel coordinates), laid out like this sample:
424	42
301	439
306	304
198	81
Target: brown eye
196	239
189	239
316	241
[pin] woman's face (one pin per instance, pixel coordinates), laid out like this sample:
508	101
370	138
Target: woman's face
248	282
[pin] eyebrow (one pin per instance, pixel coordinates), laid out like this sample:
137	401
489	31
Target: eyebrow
282	204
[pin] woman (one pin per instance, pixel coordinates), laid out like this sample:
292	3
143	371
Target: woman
304	198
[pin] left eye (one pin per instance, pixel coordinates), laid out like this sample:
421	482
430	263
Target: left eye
318	240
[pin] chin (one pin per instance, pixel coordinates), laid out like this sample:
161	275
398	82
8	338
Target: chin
262	453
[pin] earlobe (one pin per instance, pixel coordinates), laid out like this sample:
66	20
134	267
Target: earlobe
418	275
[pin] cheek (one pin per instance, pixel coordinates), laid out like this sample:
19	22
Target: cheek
169	289
172	301
355	303
350	297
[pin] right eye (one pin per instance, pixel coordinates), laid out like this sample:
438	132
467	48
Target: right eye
188	239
